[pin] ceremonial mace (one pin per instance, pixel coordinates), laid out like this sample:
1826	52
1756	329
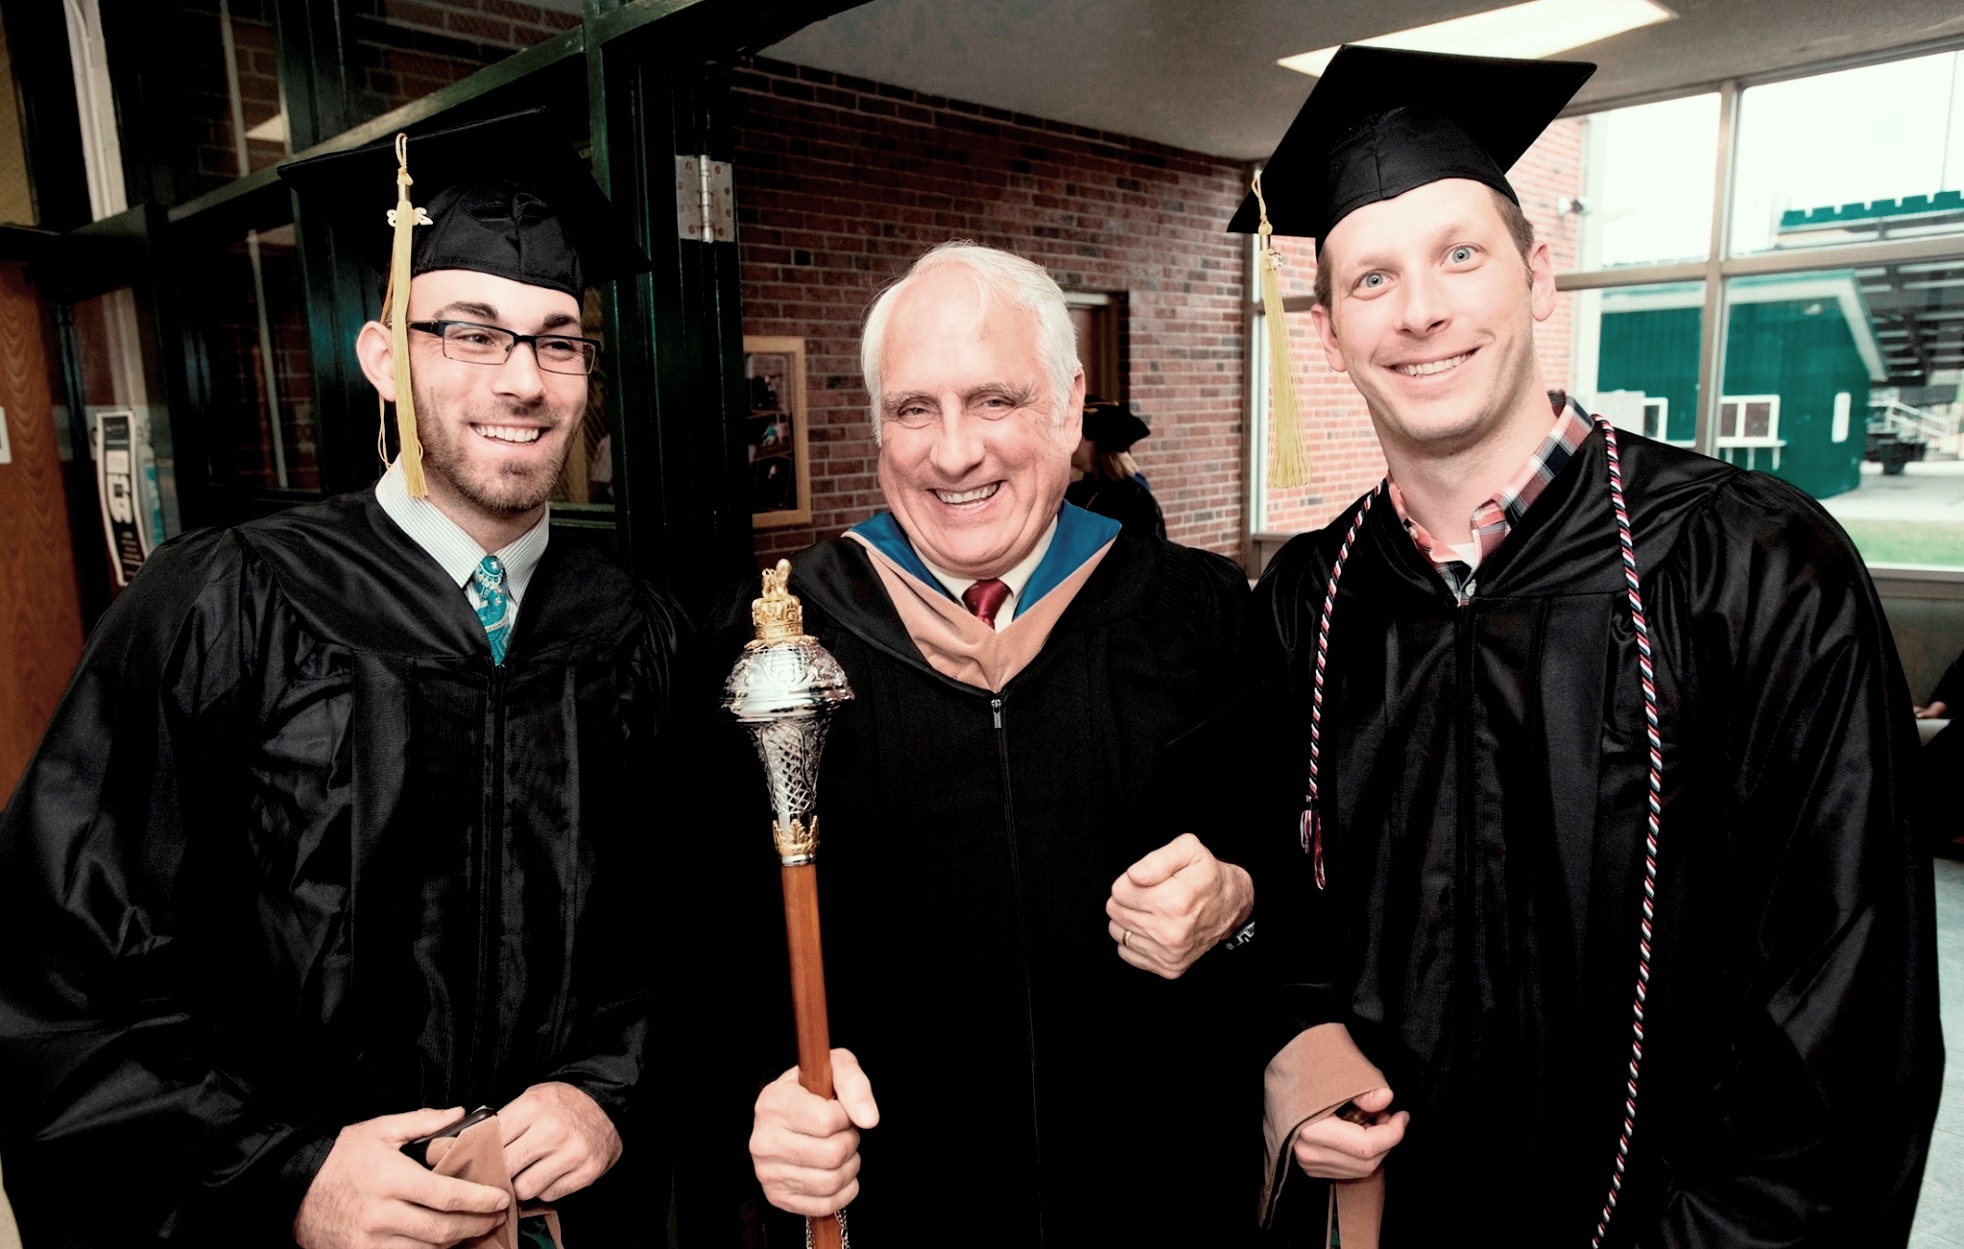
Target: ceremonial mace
783	690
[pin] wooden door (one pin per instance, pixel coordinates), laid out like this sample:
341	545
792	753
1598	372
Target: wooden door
40	610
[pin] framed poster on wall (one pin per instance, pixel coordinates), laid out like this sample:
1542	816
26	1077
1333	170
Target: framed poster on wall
779	445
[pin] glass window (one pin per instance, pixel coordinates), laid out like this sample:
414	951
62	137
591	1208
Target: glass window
230	120
1845	383
1855	156
1647	183
1634	356
249	310
405	49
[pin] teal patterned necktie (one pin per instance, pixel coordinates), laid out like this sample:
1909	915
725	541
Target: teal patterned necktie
493	604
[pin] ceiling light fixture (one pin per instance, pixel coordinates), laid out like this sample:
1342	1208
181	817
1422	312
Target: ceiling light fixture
1537	28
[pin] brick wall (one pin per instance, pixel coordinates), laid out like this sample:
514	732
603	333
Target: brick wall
1344	456
841	183
405	49
205	151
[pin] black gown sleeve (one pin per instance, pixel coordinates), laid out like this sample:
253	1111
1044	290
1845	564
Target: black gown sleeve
1205	597
110	1087
1300	943
1817	1130
734	991
1299	940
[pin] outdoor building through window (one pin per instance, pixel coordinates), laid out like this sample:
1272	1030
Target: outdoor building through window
1857	156
1635	357
1838	293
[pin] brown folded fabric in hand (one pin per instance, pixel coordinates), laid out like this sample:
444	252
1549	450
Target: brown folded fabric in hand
477	1154
1313	1077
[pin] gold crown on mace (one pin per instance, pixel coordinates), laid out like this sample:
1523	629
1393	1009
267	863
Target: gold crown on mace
778	616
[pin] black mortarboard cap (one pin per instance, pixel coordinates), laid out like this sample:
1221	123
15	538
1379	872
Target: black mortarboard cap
1382	121
509	196
1113	426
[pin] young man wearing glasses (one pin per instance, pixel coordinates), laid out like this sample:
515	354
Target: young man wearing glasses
335	833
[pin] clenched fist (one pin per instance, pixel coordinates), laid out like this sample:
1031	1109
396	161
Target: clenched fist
1176	904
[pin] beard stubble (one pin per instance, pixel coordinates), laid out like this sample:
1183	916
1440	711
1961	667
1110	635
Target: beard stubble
498	490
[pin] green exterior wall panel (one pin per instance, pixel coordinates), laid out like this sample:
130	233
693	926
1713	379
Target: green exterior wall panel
1655	351
1801	350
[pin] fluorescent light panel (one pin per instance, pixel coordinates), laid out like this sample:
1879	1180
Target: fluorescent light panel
1537	28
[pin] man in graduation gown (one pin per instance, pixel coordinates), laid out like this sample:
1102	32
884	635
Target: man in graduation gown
342	827
1021	939
1465	894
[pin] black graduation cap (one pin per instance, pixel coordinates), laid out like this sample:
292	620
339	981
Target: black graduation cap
508	197
1113	426
1381	121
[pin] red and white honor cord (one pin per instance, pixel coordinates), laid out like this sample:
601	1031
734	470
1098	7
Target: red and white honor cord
1647	674
1312	824
1310	828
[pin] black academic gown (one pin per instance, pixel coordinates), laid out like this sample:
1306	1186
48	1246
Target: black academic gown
294	853
1129	502
1033	1089
1484	786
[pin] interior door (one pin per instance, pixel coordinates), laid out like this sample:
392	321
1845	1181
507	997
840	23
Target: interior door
40	594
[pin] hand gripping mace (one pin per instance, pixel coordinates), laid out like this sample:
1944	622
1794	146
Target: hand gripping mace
783	691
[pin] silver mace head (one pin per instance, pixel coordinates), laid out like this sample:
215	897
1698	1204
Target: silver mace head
783	691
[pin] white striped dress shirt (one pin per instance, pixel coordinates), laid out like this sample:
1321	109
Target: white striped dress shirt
456	551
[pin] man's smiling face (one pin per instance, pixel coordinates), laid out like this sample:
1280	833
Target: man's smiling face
1432	314
973	461
495	436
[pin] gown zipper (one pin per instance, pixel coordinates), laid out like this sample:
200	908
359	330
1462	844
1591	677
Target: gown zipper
1463	851
1023	947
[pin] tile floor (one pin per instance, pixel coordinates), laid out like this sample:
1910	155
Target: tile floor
1940	1213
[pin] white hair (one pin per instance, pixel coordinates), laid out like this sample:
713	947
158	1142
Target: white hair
1018	283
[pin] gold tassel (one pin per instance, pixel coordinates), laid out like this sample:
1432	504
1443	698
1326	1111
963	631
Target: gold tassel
405	219
1288	454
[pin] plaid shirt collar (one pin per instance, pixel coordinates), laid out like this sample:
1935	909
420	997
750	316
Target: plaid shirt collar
1494	519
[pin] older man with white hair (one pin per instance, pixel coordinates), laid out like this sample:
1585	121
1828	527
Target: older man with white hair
1023	935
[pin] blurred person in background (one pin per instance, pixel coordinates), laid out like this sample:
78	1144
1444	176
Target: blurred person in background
1112	484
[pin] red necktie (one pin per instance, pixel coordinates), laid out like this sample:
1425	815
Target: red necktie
984	599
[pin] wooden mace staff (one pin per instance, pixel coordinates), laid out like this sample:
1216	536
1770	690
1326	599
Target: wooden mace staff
783	690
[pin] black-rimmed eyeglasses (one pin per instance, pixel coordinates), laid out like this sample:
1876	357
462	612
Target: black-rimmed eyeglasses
471	343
